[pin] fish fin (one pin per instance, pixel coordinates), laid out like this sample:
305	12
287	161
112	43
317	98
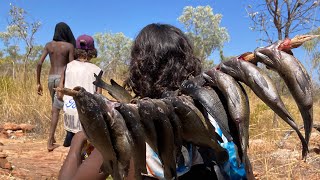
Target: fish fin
114	83
100	83
99	75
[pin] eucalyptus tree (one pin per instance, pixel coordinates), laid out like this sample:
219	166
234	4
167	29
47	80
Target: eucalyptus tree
203	28
313	49
113	52
21	28
279	19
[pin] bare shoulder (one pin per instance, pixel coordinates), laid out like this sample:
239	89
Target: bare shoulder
48	45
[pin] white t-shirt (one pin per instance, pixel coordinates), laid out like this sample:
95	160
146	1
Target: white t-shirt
77	74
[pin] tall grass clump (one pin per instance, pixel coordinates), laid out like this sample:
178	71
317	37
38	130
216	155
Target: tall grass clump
20	103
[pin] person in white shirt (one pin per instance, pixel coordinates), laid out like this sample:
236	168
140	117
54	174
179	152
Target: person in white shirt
79	72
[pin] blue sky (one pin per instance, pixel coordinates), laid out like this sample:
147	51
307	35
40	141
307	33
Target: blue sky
90	17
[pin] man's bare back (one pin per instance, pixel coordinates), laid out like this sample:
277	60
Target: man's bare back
60	54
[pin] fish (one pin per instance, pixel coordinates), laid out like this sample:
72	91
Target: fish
132	119
296	78
176	127
264	88
237	102
195	129
94	125
166	139
146	111
209	99
115	90
120	136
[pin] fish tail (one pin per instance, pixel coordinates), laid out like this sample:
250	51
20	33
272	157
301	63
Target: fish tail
307	116
305	149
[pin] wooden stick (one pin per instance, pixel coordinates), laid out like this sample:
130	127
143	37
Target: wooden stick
287	44
67	91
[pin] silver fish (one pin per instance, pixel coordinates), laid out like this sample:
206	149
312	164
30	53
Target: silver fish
237	101
94	126
132	118
209	99
146	111
195	129
123	142
166	139
296	78
264	88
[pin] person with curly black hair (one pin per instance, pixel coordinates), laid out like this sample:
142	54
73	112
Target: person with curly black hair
161	58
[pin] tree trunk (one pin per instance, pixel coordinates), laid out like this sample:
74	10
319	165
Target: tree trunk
13	70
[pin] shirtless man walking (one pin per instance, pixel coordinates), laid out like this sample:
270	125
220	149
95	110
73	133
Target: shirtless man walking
61	51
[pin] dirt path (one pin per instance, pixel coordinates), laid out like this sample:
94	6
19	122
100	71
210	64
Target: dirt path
31	160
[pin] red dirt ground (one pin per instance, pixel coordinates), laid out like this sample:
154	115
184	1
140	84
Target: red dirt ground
31	160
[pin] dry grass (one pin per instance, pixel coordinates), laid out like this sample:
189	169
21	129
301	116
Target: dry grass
268	159
20	104
24	105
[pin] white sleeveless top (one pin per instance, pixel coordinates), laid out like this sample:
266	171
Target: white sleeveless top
77	74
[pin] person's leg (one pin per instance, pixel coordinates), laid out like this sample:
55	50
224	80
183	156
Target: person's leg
54	121
53	82
68	139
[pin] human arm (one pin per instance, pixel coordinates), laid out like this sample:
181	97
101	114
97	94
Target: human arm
39	66
72	167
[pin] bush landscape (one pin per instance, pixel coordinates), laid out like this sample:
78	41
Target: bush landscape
271	156
22	104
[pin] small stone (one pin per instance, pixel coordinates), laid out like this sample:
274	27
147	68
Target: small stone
26	127
11	126
8	166
4	134
3	155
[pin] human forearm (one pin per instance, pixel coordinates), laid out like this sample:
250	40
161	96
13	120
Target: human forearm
73	159
70	166
38	73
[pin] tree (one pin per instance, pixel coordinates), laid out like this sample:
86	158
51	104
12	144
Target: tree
20	28
114	52
282	17
313	49
203	28
11	46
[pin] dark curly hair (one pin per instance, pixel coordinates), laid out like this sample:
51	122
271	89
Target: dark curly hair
88	54
161	58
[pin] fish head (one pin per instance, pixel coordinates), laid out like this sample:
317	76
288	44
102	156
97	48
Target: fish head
87	106
231	67
190	85
210	76
146	106
269	55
